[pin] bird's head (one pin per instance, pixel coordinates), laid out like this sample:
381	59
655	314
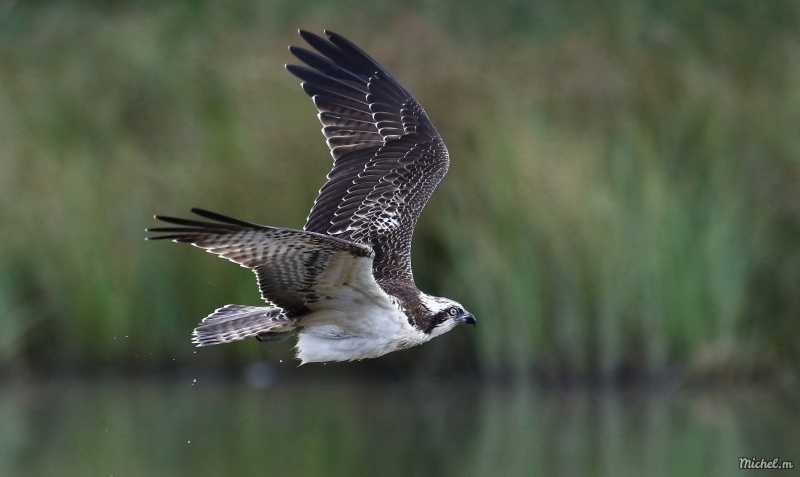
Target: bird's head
446	314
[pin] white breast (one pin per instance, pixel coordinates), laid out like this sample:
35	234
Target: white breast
354	317
359	333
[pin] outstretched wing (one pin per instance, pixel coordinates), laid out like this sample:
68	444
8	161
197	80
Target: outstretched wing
296	270
387	155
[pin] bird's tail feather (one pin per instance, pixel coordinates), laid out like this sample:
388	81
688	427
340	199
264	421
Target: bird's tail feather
237	322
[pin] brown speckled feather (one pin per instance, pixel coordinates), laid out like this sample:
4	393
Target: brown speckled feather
287	263
388	157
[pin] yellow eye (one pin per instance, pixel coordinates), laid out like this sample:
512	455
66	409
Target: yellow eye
453	311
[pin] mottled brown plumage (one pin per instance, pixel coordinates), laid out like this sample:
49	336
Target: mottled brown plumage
288	263
388	157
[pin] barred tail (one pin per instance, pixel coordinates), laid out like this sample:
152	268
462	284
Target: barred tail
237	322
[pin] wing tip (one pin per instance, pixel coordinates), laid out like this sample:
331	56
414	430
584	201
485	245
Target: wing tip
225	220
308	36
333	36
326	31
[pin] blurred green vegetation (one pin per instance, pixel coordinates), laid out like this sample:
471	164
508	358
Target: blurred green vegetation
623	200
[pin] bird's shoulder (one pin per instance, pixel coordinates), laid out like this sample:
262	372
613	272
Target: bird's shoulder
408	298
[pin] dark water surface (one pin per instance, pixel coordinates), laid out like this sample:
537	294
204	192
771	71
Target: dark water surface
333	428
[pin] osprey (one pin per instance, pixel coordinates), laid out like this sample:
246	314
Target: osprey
343	284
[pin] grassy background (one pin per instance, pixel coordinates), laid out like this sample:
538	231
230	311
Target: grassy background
623	200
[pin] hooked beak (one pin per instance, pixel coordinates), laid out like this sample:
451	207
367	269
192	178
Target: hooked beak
467	318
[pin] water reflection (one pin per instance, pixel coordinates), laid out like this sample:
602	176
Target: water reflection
331	428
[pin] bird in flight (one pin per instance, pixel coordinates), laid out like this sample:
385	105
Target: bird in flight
343	285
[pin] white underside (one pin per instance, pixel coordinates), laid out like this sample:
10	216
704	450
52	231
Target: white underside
355	319
366	332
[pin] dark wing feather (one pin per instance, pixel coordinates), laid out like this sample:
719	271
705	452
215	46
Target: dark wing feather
387	155
288	263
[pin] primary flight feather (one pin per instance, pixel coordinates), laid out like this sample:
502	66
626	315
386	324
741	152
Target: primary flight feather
343	284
